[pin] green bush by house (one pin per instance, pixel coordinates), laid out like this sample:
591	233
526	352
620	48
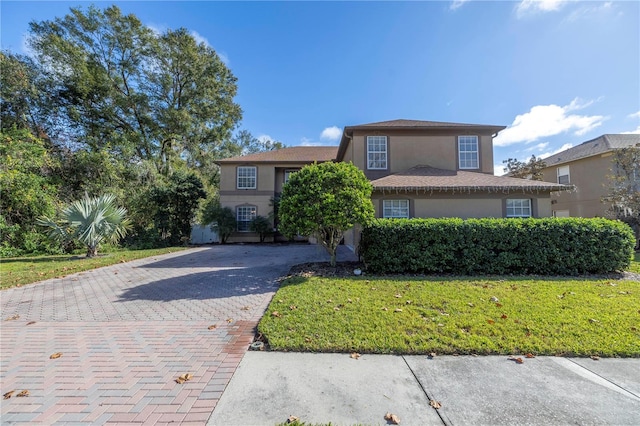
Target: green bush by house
552	246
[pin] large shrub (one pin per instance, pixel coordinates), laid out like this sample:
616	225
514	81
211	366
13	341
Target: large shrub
551	246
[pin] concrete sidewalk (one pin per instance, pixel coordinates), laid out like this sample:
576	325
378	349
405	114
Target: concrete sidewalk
268	387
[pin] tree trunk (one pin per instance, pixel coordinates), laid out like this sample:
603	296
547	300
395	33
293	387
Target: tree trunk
92	251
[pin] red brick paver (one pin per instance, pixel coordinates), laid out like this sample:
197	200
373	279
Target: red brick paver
127	332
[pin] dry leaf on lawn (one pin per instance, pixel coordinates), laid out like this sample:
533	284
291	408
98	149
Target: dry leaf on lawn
435	404
23	393
398	295
398	310
504	316
276	314
392	418
8	394
293	307
355	355
56	355
490	321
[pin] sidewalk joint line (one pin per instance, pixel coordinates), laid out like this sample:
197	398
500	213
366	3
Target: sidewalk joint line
442	419
604	378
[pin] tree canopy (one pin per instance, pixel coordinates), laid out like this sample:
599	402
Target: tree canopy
324	200
532	169
145	96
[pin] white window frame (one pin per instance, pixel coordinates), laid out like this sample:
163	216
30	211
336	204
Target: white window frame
397	209
468	158
517	207
377	148
244	179
244	216
288	173
560	172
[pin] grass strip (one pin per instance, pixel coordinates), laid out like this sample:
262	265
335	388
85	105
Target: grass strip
18	271
455	316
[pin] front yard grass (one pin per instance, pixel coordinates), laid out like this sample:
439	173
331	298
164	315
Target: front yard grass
635	263
455	316
17	271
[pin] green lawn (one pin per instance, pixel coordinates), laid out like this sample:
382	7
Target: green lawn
635	263
456	316
19	271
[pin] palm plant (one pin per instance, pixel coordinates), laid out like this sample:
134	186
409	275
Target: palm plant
91	220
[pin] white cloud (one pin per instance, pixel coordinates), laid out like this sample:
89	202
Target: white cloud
498	169
633	132
332	133
634	115
562	148
548	120
526	7
24	46
539	147
264	138
157	29
455	4
588	11
309	142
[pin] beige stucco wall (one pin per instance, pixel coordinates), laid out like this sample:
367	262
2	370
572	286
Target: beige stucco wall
407	148
589	175
464	206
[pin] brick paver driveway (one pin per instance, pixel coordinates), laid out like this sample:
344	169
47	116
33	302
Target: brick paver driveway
127	331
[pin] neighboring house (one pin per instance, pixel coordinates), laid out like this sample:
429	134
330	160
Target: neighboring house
417	169
586	166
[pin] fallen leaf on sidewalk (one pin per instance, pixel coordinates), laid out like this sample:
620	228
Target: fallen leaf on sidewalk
435	404
31	322
212	327
529	355
229	320
595	357
56	355
518	360
23	393
432	355
8	394
292	419
184	378
355	355
15	317
245	308
392	418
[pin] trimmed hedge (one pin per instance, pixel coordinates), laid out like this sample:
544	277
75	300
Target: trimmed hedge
551	246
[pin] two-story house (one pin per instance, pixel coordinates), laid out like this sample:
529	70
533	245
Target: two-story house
586	166
417	169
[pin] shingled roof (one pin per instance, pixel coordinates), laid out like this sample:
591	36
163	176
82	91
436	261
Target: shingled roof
420	124
294	154
599	145
426	178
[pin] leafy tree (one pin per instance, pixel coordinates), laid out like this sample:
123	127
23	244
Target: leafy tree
176	203
262	226
624	188
141	95
26	170
90	220
245	143
324	200
532	169
222	220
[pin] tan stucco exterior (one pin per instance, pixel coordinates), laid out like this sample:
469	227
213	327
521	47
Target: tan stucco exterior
589	175
408	148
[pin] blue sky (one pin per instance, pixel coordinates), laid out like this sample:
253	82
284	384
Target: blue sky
557	73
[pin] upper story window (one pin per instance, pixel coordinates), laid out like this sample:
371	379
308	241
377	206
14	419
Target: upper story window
376	152
398	209
519	208
247	177
287	175
468	152
563	175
